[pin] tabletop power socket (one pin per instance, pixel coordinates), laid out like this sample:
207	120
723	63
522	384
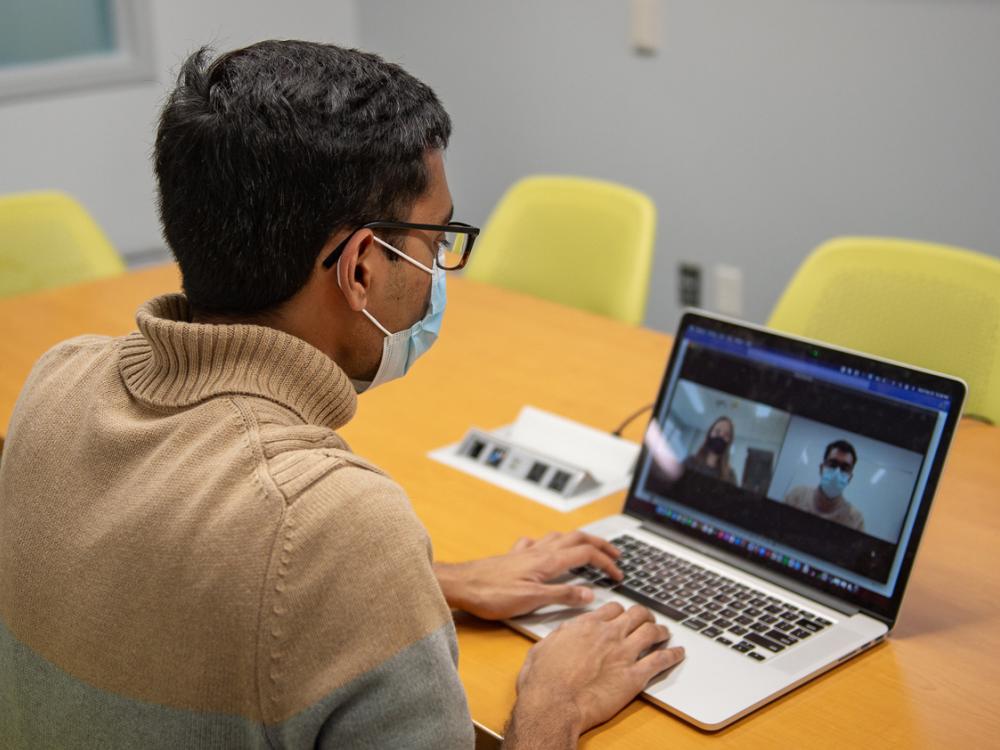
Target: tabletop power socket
526	464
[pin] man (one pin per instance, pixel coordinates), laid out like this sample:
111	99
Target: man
190	555
827	499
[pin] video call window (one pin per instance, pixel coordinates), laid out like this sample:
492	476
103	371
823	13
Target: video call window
862	483
724	436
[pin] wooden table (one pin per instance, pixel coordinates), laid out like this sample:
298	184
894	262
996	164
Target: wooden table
935	683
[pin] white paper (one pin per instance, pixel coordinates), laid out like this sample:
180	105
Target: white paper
608	458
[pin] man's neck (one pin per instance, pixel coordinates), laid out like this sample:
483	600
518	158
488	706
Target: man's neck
823	503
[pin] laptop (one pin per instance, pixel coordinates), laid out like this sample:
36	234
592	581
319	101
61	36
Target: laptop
775	511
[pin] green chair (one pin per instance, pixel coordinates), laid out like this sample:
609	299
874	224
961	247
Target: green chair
580	242
929	305
47	239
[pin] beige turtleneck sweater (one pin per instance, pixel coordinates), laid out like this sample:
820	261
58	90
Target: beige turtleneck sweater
190	556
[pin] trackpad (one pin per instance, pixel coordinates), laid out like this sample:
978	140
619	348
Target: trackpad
809	655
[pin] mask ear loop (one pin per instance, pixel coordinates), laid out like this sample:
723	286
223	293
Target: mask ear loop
404	256
363	310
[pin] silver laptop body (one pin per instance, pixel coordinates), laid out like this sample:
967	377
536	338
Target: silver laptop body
793	556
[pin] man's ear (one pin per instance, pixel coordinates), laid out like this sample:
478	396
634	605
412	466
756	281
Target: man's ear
354	271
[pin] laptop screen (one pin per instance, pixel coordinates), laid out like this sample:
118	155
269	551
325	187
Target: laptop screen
813	463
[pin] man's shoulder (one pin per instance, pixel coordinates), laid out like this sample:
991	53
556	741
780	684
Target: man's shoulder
76	350
799	496
854	517
304	458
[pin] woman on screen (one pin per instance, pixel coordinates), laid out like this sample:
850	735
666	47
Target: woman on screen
712	458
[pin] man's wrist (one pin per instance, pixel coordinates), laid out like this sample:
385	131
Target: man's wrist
450	580
542	724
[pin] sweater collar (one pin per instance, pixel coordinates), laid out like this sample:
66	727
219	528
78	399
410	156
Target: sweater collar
171	362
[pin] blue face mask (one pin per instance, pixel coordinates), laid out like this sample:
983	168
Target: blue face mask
401	349
833	482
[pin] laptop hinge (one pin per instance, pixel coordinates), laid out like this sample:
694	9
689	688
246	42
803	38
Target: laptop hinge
845	608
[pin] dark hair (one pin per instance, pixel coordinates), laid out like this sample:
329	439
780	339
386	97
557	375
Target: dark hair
266	151
702	455
844	447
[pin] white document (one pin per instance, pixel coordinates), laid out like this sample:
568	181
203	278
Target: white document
609	459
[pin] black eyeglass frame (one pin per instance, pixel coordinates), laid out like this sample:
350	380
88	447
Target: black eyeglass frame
457	227
832	463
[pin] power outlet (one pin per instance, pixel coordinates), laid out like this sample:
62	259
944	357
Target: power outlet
689	284
729	290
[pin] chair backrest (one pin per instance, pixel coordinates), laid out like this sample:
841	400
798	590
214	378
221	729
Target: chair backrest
47	239
581	242
933	306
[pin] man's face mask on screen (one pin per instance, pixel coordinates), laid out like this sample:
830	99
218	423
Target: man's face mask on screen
833	481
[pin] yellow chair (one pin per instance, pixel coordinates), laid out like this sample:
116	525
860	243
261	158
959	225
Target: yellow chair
580	242
47	239
933	306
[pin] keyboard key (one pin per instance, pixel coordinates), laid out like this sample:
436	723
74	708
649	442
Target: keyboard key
752	612
789	615
743	647
692	609
809	625
744	620
755	656
606	582
764	642
783	638
785	626
724	641
758	602
737	630
769	619
713	607
759	627
773	609
711	632
694	623
664	609
723	623
822	622
800	633
730	613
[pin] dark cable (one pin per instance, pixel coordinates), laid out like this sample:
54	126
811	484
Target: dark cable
631	418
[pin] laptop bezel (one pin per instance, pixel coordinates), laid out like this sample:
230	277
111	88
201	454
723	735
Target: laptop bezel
952	386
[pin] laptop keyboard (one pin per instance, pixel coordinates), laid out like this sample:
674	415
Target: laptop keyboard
732	614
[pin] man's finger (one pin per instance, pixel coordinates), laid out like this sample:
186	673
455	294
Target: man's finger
583	554
646	635
605	612
576	538
544	594
656	661
633	617
522	544
603	545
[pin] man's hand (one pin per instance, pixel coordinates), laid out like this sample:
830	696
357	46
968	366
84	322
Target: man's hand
583	673
496	588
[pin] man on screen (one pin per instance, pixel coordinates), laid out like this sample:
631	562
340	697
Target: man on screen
827	499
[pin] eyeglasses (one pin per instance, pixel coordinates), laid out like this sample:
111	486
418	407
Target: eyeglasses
844	466
453	247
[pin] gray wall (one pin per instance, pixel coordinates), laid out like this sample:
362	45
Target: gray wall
760	129
96	143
